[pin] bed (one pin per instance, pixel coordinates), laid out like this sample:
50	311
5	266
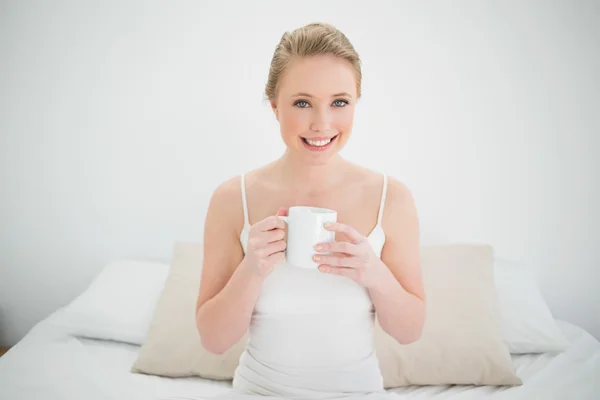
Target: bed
53	361
51	365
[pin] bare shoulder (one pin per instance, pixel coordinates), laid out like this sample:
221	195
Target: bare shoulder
368	179
398	194
222	248
228	189
226	203
400	212
260	177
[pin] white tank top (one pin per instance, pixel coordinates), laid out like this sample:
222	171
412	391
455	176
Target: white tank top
310	335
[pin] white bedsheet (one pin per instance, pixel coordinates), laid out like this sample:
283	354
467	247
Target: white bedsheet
47	364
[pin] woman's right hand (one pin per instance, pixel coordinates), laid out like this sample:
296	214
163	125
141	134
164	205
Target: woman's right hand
266	244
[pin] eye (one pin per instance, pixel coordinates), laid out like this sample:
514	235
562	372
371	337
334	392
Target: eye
344	103
301	104
337	103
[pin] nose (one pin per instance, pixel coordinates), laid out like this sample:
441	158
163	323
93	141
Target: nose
321	121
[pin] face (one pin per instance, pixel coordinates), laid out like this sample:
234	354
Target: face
315	107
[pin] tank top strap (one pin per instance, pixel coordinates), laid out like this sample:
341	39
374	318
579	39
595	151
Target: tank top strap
383	195
244	202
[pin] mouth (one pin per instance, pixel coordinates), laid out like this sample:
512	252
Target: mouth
319	144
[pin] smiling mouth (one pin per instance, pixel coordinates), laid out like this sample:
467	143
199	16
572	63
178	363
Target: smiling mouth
319	142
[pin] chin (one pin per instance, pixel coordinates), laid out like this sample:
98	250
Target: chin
318	158
318	161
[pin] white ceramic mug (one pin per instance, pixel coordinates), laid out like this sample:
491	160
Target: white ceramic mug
306	228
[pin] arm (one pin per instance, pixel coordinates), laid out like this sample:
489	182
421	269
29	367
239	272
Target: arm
227	292
398	293
231	281
394	280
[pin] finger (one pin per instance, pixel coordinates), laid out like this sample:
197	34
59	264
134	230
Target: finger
263	239
338	247
272	222
329	269
273	235
282	211
276	258
336	261
347	230
273	248
273	259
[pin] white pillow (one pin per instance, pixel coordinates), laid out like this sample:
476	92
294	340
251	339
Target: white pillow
119	303
528	325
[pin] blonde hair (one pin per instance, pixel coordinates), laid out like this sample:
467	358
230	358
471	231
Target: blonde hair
310	40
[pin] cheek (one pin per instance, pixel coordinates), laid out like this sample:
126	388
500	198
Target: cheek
344	120
294	123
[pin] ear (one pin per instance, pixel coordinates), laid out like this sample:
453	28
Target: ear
275	109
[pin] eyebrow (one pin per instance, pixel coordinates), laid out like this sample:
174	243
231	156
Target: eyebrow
308	95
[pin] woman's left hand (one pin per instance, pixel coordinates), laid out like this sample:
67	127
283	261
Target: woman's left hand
354	259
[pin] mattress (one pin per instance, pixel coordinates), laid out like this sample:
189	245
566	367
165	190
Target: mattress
51	365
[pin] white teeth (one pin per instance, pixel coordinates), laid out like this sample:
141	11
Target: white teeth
318	143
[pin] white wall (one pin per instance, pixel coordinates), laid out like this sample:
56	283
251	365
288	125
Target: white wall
118	120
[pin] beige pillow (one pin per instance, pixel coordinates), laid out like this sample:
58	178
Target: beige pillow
461	341
172	346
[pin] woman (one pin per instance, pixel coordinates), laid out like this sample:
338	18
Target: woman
299	347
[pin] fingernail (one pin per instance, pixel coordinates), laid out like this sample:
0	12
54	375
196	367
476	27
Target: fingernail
328	225
319	247
316	258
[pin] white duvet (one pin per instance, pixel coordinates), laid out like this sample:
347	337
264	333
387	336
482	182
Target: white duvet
50	365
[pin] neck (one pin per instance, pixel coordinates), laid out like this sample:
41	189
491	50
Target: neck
307	179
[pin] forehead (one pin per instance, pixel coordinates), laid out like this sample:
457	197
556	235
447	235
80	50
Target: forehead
320	76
